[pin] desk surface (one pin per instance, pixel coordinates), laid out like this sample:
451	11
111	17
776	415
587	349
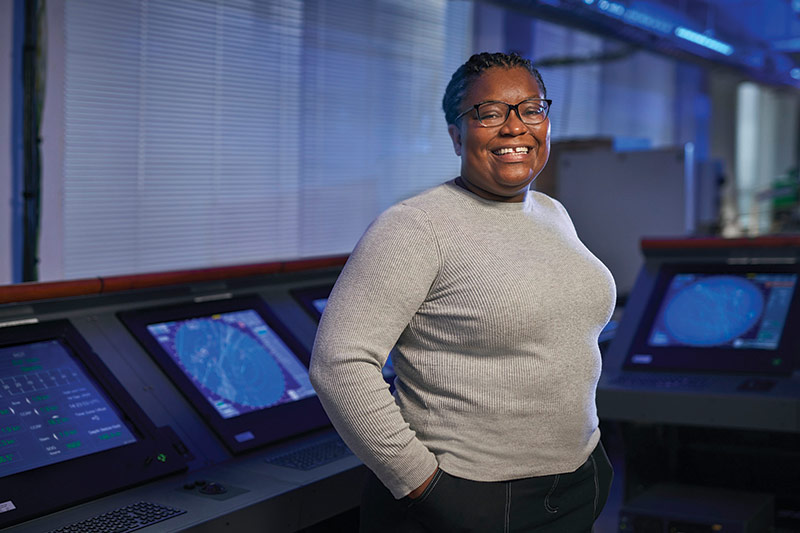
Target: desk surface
258	495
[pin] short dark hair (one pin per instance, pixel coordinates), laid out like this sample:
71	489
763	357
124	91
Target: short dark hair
472	69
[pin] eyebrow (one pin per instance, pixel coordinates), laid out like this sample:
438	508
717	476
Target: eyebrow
504	102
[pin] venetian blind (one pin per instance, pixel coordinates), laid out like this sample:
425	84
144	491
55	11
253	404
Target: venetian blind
213	132
605	97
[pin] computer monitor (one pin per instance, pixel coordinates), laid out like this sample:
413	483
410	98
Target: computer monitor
721	318
68	430
237	364
313	299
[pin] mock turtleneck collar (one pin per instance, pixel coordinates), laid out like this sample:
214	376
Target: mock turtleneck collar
524	205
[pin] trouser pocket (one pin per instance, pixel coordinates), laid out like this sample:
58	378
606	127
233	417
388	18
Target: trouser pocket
430	488
455	504
603	476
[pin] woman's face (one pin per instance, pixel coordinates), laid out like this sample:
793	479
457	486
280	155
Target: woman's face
488	170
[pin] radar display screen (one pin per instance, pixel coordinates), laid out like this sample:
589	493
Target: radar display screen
738	311
51	410
724	318
319	304
236	360
313	299
238	364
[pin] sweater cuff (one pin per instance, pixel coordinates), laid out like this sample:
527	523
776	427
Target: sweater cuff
411	475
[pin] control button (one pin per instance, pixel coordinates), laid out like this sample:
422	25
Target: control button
213	488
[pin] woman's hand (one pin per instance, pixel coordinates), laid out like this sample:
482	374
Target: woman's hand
416	493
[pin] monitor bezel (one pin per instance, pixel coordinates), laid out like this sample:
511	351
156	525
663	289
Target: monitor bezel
49	488
709	359
306	296
267	425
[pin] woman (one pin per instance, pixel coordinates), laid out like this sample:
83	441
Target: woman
495	307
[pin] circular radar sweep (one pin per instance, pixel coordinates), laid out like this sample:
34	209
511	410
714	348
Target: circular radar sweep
230	363
713	311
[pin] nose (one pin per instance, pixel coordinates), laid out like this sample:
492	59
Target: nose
513	124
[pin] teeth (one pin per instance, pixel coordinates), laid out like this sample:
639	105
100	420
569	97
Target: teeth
518	150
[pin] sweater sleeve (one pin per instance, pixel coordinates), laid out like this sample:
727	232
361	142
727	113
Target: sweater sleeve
383	284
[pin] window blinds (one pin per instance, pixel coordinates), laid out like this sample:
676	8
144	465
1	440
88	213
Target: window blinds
611	98
213	132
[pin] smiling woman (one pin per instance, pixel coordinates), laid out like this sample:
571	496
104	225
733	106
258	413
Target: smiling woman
494	308
500	158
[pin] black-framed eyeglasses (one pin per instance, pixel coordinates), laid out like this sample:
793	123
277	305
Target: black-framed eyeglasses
495	113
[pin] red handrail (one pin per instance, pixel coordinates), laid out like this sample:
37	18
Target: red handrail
25	292
772	241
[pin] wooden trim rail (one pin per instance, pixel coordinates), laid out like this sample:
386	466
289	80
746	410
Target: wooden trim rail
694	243
25	292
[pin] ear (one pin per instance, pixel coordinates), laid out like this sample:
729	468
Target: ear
455	135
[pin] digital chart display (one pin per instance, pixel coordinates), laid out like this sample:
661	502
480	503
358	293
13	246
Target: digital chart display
388	368
313	299
51	410
235	360
387	371
319	304
739	311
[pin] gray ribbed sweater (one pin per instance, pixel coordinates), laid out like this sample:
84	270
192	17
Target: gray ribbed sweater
495	309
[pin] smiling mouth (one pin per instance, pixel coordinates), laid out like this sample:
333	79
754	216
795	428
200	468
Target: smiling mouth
517	150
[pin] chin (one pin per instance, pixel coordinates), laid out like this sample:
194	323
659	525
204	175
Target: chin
517	183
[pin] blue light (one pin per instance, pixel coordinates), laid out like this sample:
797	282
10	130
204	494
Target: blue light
588	2
704	40
754	58
787	45
646	21
613	8
795	73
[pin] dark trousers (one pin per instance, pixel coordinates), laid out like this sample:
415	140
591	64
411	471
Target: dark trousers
561	503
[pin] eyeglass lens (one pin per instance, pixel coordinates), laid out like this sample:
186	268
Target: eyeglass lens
496	113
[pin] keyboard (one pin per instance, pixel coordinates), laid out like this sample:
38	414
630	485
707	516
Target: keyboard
312	455
128	518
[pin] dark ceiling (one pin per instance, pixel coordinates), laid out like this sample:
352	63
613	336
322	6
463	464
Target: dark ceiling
759	38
